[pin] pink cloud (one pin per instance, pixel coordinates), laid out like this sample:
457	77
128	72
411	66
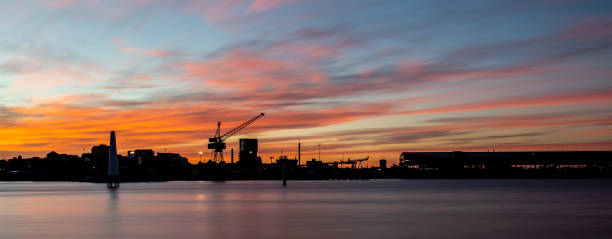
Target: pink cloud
517	122
247	71
309	51
593	96
592	133
590	27
147	52
265	5
39	82
236	11
65	3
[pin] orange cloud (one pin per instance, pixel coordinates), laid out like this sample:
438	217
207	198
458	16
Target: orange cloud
70	128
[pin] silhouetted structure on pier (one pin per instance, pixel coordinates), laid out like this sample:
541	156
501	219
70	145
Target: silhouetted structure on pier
507	164
113	163
170	166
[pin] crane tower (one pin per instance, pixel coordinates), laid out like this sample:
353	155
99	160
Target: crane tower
217	142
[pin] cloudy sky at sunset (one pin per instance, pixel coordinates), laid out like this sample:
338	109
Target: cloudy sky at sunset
357	77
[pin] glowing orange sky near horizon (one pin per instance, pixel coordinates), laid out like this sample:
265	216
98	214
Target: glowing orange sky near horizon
161	74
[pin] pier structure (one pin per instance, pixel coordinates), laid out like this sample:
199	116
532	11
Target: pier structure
283	162
506	160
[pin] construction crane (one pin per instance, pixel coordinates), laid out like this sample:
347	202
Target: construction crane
217	143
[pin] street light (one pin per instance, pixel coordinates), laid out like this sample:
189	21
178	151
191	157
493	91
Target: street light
200	153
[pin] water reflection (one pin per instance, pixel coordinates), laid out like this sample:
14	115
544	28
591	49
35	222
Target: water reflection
113	199
322	209
113	217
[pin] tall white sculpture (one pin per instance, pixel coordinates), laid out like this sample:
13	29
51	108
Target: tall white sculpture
113	163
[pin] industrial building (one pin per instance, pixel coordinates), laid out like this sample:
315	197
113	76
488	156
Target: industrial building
314	164
290	163
506	160
247	156
143	155
382	164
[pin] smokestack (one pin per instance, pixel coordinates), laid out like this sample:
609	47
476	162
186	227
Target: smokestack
299	153
232	155
113	163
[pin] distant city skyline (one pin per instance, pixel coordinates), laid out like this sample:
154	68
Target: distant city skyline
359	78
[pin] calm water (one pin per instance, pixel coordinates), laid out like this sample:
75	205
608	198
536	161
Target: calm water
310	209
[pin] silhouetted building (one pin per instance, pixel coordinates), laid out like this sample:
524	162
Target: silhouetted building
171	164
100	150
314	164
63	157
53	155
247	156
383	164
291	163
505	160
144	155
170	156
99	159
130	154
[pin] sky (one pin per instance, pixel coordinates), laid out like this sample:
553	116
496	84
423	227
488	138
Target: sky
359	78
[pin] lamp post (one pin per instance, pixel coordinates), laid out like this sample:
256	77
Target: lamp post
200	153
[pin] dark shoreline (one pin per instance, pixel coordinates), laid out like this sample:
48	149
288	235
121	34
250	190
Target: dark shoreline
412	165
360	174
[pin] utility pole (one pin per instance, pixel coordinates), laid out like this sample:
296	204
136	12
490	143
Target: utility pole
284	166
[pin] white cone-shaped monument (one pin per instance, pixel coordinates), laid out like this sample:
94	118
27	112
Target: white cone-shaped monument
113	163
